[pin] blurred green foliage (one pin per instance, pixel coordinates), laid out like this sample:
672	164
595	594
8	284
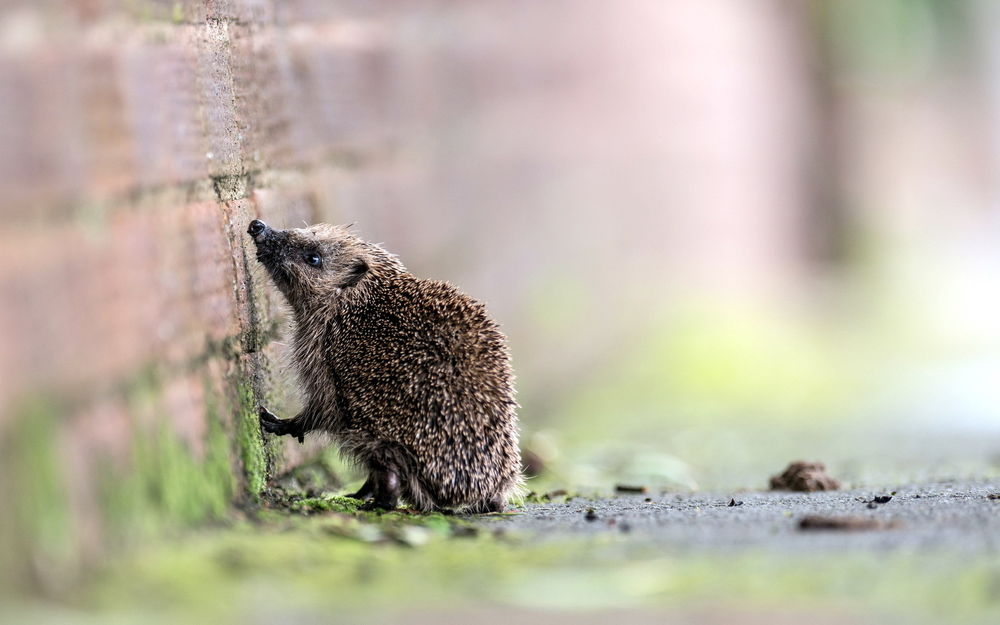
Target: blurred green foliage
891	40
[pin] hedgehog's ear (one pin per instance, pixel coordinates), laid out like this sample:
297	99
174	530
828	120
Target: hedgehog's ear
355	271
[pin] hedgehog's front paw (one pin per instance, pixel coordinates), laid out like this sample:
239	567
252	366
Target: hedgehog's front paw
374	505
271	423
279	427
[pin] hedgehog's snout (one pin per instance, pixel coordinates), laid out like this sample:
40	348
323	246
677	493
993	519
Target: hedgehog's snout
258	230
266	240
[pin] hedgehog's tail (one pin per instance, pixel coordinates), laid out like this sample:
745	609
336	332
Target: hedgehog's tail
516	491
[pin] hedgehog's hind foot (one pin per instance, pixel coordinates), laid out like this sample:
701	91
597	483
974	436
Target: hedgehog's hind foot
487	506
372	506
386	491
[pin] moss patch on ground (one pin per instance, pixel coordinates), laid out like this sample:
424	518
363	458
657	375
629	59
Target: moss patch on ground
343	516
287	565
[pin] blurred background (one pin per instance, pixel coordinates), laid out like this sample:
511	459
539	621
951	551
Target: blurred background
721	235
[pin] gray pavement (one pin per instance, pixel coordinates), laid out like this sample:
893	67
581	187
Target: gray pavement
953	516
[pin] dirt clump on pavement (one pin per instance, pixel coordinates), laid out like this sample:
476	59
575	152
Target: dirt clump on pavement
804	477
844	523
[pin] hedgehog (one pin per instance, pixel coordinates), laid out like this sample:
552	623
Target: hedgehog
410	377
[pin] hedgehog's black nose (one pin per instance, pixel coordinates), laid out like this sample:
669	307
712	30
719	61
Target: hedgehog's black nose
256	227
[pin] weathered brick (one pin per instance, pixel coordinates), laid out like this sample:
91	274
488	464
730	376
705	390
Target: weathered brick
59	320
95	119
304	91
183	403
237	215
340	74
41	131
150	286
175	11
266	99
215	80
212	272
110	162
163	109
295	11
197	301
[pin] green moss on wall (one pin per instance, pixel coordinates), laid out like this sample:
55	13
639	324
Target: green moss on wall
35	516
250	444
166	484
161	484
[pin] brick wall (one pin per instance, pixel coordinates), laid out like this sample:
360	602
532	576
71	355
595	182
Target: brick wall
139	139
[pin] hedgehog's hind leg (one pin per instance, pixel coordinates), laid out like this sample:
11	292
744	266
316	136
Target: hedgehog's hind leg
366	490
390	470
386	491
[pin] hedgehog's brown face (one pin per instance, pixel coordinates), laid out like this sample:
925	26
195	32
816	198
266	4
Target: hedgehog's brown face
309	262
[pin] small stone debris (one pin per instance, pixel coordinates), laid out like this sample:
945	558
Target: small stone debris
627	488
843	523
733	503
624	527
561	492
648	500
804	477
590	515
993	496
878	500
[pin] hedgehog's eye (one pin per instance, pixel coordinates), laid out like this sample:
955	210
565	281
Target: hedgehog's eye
313	259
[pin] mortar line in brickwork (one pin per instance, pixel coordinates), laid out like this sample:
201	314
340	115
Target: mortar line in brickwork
228	349
195	190
229	21
232	187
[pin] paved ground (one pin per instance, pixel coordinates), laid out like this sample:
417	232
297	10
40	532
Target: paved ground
953	516
688	558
